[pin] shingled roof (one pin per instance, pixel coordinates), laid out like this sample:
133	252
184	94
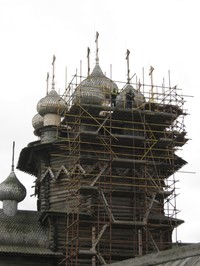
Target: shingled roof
179	255
23	234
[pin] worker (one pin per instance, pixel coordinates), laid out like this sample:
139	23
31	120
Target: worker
129	99
114	94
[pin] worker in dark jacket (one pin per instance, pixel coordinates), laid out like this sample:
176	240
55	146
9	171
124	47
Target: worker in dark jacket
114	94
129	99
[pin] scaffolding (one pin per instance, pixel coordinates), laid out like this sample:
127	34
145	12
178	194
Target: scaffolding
121	185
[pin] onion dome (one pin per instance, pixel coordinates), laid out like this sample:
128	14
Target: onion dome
37	121
51	108
101	81
96	88
139	98
51	104
12	189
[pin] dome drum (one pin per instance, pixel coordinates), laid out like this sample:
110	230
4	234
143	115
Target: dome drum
52	120
49	134
10	207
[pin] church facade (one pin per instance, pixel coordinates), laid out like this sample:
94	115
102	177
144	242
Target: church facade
104	164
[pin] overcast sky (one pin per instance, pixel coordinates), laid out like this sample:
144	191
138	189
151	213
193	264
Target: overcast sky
161	33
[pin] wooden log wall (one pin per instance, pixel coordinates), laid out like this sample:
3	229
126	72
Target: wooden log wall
28	260
124	192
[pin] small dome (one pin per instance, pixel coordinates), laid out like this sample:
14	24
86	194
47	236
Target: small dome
139	98
95	88
12	189
37	121
52	103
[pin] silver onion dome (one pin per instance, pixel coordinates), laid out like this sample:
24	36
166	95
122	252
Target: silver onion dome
96	88
12	189
139	98
37	121
52	103
106	84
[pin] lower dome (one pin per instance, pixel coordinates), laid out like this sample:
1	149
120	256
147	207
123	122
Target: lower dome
37	121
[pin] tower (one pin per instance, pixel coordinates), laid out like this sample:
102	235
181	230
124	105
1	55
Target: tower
105	174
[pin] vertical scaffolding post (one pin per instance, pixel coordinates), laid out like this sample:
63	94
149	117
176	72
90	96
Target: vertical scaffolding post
88	60
152	86
128	69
